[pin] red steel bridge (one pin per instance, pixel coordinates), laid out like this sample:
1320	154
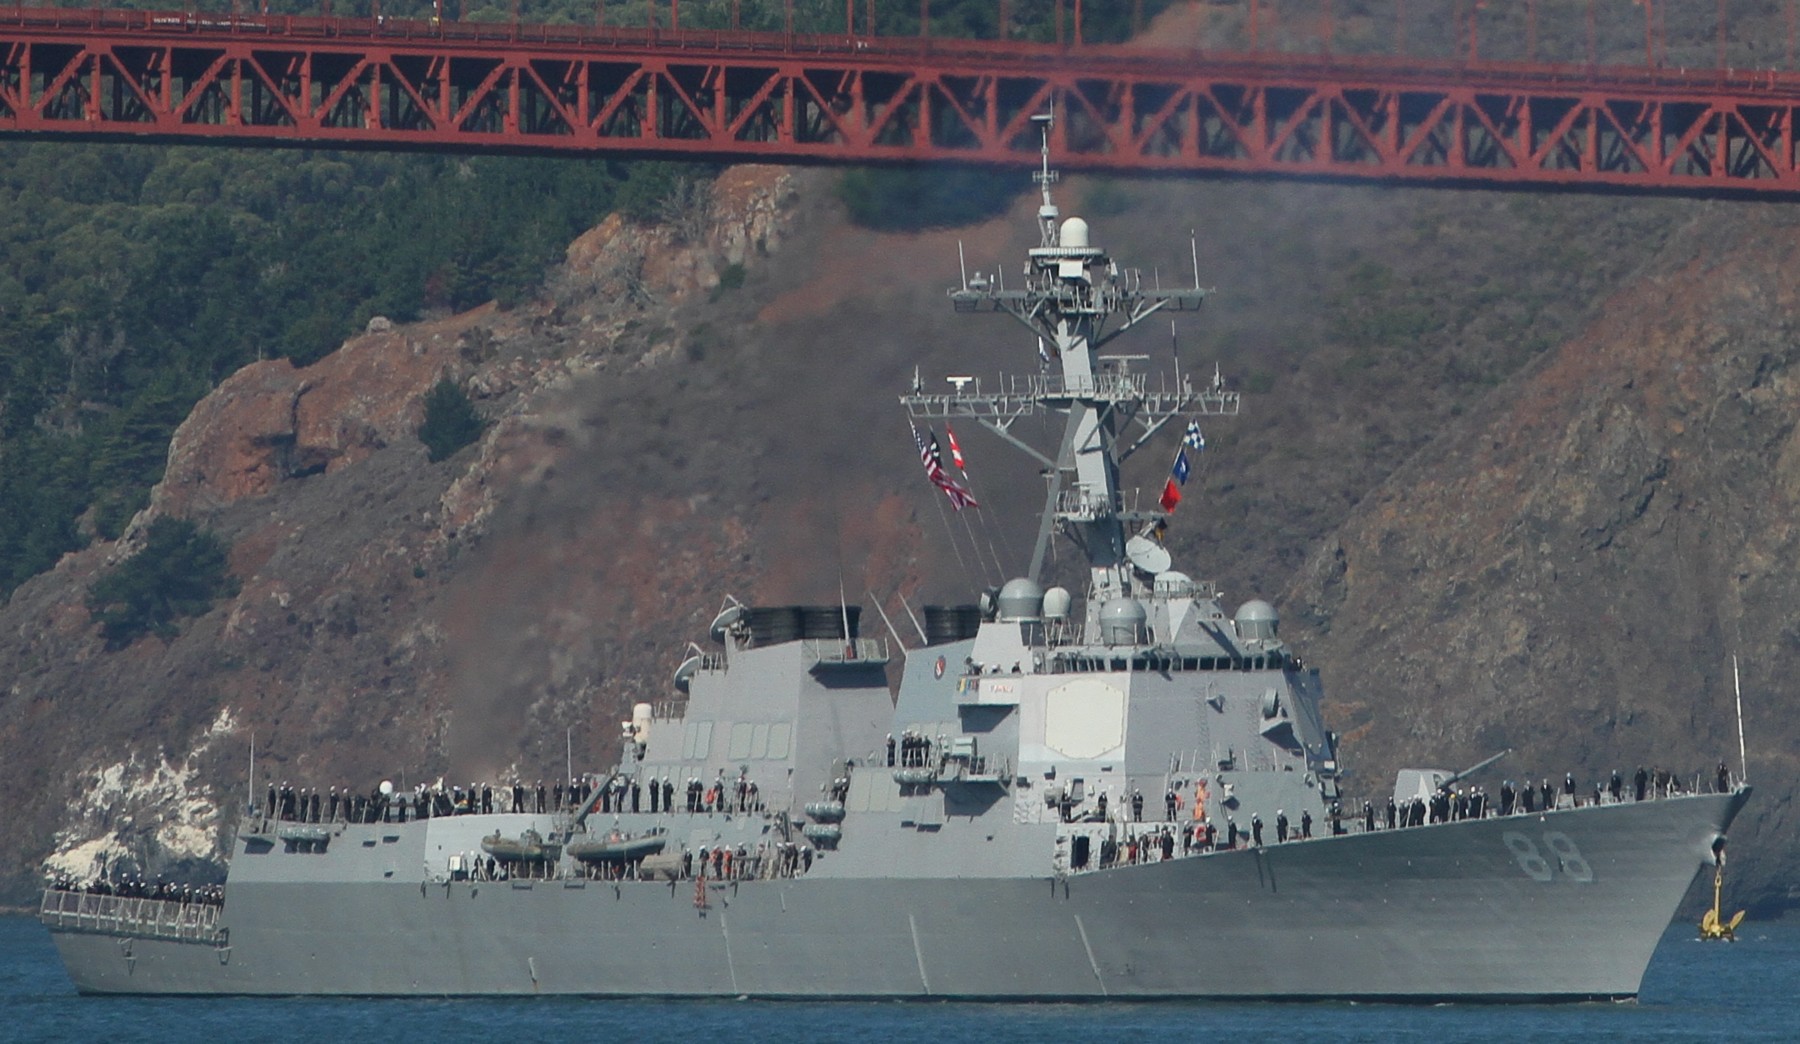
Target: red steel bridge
853	97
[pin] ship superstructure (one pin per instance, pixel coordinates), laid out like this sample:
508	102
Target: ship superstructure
1121	791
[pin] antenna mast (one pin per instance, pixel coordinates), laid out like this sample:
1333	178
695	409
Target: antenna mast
1738	687
1075	301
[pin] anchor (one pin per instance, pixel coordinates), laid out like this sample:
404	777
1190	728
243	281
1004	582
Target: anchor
1713	926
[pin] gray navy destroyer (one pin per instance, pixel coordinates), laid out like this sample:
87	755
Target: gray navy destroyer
1126	794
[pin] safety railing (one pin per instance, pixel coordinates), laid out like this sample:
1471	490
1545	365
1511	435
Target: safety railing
122	915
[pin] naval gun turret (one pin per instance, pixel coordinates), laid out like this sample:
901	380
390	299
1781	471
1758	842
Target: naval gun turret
1425	784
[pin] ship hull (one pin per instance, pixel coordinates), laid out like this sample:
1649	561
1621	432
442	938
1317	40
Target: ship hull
1564	906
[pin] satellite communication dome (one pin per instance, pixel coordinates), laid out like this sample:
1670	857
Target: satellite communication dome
1021	599
387	787
1147	555
1074	234
1257	619
1056	603
1122	621
725	621
684	674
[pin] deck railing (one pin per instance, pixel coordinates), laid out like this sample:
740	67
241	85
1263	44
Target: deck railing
121	915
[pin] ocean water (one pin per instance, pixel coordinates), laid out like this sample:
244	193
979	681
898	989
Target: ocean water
1747	991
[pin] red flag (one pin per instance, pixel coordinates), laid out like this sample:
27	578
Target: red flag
1171	496
956	456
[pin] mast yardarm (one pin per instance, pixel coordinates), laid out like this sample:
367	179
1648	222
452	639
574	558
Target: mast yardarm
1076	299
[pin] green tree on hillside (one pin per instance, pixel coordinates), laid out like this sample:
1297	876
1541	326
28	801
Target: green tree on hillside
178	574
450	420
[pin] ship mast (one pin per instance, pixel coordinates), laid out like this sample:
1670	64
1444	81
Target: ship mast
1076	299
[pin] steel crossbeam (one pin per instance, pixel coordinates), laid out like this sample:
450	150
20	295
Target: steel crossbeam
848	99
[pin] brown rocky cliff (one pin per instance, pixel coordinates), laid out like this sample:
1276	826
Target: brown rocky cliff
1570	573
365	628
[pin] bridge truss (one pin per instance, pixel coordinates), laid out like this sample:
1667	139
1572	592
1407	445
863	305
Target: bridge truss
392	83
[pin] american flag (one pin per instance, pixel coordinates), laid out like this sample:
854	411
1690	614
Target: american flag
959	494
929	456
933	460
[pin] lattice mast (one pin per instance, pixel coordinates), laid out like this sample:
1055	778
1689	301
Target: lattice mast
1076	299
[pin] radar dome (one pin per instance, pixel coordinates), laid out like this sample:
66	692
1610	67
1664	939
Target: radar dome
1257	619
1021	599
1056	603
1122	621
1074	234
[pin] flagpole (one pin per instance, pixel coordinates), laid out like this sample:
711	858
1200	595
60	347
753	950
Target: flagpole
1737	686
949	531
988	523
1175	350
915	620
876	602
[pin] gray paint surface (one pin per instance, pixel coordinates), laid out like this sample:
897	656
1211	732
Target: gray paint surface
1428	912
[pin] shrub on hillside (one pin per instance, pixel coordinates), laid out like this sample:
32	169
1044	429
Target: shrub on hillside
178	573
450	420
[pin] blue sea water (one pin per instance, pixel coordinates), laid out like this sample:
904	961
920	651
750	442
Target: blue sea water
1694	991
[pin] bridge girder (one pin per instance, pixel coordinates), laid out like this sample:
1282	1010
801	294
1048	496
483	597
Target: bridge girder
848	99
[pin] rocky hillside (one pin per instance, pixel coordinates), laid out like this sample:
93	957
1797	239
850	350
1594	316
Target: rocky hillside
1569	571
1512	486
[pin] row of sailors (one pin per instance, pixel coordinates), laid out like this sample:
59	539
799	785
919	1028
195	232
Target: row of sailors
1445	806
1070	809
912	750
724	863
307	805
717	863
1139	848
1474	803
615	795
134	887
720	795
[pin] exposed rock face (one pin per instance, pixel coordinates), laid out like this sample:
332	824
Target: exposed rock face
1570	573
271	422
364	621
1507	493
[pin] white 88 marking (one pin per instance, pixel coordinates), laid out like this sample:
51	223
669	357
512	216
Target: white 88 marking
1561	846
1570	856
